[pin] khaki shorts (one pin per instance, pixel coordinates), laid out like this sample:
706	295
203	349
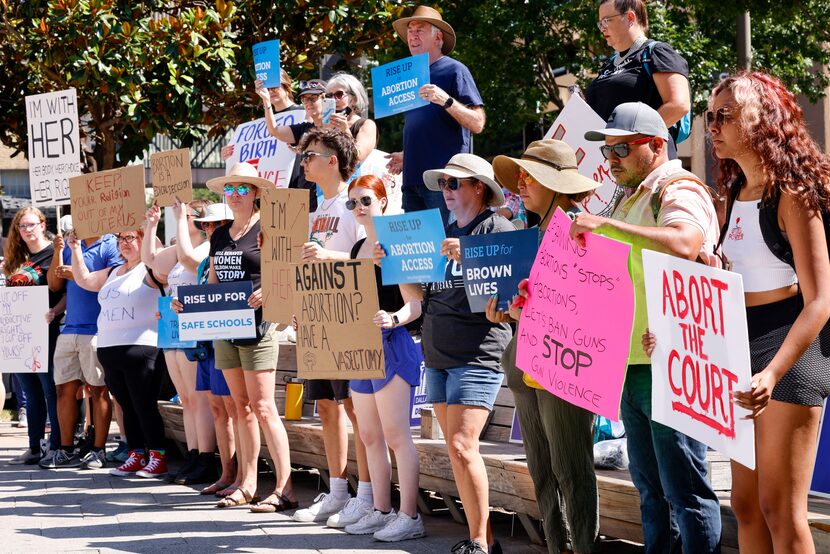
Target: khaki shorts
76	360
257	357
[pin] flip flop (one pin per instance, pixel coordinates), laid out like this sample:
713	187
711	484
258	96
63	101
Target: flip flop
229	501
214	488
269	506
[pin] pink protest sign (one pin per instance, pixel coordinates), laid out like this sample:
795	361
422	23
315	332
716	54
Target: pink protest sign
575	329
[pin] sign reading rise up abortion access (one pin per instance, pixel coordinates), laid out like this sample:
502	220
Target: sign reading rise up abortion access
395	85
575	329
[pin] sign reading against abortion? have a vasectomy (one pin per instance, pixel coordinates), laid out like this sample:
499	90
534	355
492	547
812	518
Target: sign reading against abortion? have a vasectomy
219	311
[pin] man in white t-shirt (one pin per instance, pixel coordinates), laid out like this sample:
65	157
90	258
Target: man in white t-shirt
329	157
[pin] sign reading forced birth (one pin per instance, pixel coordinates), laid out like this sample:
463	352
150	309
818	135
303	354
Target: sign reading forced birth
412	242
284	231
697	314
108	201
395	85
273	158
172	177
334	302
575	329
219	311
24	341
54	145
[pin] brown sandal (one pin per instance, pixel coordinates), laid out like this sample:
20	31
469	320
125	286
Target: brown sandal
269	506
229	501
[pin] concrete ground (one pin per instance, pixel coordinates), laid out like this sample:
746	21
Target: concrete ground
91	511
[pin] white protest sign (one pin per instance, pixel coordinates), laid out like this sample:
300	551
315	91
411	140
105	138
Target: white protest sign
54	145
273	158
375	164
575	119
24	342
692	309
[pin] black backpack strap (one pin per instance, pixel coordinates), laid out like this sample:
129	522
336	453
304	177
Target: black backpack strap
156	281
773	237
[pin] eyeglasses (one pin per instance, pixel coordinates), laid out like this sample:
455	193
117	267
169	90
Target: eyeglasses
27	226
622	150
194	214
125	239
603	23
718	117
351	203
310	98
452	183
308	154
241	190
337	95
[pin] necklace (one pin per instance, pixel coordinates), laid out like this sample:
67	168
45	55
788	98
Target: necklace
620	59
323	206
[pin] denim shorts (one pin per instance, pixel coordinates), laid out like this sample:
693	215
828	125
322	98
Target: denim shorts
466	385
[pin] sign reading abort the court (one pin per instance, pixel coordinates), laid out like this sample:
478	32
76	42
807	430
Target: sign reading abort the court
219	311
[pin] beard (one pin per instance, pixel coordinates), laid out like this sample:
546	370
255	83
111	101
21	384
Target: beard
631	177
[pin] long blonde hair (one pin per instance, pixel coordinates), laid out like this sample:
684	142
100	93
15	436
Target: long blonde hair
16	251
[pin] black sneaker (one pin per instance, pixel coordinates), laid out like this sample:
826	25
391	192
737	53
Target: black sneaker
188	466
468	547
204	471
61	459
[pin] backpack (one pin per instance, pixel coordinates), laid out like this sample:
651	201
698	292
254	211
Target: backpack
683	128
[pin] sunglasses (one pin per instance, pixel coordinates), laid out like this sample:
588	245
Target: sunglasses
308	154
718	117
351	203
241	190
622	150
452	183
337	95
125	239
202	225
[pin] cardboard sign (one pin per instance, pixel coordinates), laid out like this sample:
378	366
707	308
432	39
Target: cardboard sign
395	85
494	263
172	177
418	395
334	302
413	247
168	327
24	342
820	484
267	63
284	227
109	201
575	328
54	145
697	314
218	311
273	158
516	430
575	119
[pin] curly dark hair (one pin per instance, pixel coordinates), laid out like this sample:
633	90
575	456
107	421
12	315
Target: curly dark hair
772	125
338	142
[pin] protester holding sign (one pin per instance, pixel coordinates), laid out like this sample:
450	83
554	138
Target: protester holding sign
462	349
670	211
180	262
127	349
249	364
641	70
433	134
558	436
777	180
28	255
379	403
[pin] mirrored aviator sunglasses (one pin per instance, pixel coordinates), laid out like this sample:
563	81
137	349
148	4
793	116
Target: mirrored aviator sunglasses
241	190
351	204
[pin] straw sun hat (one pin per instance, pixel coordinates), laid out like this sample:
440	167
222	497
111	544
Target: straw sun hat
428	15
467	166
550	162
240	173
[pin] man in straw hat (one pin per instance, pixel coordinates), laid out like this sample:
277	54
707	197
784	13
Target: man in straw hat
558	436
670	211
433	134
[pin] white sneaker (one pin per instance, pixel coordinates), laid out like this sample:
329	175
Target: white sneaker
324	506
354	510
370	523
402	528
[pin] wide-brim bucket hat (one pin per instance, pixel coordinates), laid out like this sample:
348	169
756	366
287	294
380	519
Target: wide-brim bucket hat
242	172
467	166
429	15
550	162
214	212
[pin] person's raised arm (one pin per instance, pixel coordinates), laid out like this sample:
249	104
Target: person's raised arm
281	132
160	259
188	255
91	281
674	90
366	140
54	281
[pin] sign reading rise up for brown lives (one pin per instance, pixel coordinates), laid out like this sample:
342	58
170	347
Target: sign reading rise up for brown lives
108	201
172	176
334	302
284	225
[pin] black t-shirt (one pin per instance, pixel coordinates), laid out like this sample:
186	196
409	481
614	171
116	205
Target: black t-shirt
389	296
33	273
630	82
453	336
237	260
298	180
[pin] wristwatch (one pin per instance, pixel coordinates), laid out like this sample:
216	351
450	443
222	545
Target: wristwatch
450	101
395	320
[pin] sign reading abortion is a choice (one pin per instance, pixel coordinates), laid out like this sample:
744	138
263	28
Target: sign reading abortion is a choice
335	303
575	329
395	85
54	145
695	367
494	263
273	158
110	201
172	176
219	311
24	342
412	242
267	63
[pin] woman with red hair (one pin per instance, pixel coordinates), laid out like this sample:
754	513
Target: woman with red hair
769	164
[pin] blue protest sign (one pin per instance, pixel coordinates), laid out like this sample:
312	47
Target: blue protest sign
395	85
494	263
418	395
168	328
267	63
216	312
413	247
821	471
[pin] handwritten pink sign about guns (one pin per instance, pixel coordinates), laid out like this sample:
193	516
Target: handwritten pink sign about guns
575	329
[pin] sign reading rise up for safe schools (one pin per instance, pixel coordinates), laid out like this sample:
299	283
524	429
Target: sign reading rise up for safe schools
219	311
395	85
